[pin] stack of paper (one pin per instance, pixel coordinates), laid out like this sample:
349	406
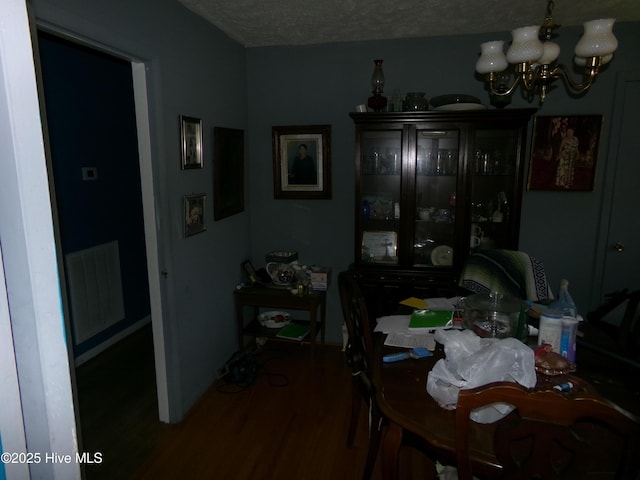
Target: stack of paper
401	334
398	334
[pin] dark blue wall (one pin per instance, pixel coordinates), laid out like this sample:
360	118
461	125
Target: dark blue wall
92	123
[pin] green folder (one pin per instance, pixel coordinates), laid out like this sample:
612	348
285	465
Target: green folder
430	319
294	331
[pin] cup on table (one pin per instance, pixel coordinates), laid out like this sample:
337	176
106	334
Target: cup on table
361	108
475	241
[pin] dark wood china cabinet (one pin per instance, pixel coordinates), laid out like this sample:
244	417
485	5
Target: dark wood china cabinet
431	187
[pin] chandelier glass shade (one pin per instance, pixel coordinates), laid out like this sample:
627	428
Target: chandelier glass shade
534	55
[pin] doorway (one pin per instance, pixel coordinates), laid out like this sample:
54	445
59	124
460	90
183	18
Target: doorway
619	255
99	177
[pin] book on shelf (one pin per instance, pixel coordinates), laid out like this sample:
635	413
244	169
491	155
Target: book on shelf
426	320
294	331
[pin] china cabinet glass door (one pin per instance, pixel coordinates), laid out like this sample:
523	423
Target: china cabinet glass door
379	196
495	191
436	180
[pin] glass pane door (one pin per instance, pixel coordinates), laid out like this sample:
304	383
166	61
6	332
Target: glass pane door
379	196
436	175
495	157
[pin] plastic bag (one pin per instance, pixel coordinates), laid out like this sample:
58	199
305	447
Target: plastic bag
471	361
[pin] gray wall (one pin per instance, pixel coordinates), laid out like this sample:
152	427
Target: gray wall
321	84
192	69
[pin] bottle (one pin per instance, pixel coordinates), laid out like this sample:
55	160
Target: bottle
522	331
503	206
564	303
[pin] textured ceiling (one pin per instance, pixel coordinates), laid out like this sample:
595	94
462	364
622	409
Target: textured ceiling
258	23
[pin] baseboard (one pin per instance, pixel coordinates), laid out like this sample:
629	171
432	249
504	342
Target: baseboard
89	354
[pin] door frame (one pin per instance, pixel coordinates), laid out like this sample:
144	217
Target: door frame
139	75
140	92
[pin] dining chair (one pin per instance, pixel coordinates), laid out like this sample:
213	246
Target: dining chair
551	435
359	349
510	272
620	337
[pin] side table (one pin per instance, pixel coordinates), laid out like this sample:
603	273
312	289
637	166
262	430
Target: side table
315	302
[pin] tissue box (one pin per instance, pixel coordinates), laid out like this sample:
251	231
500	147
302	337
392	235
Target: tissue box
281	256
319	277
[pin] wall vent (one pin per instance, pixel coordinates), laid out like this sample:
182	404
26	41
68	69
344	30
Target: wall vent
95	289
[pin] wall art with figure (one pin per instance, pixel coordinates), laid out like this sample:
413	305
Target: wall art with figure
301	162
564	152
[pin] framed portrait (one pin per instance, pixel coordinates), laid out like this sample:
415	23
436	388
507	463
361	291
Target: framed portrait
564	151
190	142
228	172
194	214
302	162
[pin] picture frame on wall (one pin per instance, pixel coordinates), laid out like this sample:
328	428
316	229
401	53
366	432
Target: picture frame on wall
194	211
228	172
302	162
564	151
190	142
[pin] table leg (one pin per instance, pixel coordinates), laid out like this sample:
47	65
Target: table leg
391	443
239	323
313	313
323	319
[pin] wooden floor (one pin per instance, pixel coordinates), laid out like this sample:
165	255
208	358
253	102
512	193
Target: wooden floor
290	424
118	406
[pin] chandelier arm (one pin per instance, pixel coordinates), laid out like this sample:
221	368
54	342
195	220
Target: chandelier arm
529	78
504	93
561	71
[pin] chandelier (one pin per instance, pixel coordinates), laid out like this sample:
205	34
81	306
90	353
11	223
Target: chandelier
534	55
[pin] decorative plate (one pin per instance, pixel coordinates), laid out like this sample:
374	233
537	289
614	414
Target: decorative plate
442	255
441	100
461	106
274	319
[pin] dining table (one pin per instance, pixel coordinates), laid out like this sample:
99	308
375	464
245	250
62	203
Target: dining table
411	412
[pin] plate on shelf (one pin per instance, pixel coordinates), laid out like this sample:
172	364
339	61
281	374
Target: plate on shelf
274	319
459	98
461	106
442	255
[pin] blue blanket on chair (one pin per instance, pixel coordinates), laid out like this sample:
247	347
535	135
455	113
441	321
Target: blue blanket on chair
506	271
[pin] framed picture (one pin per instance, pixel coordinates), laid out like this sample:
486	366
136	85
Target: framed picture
191	142
301	162
228	172
380	247
380	206
564	152
194	214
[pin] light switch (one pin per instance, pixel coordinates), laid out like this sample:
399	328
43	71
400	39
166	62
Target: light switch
89	173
